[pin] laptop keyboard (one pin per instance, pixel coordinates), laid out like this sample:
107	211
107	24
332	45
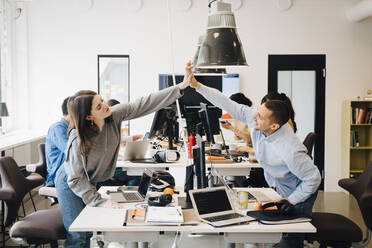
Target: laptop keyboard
224	217
131	196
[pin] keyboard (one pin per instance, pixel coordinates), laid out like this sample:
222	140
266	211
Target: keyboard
131	196
224	217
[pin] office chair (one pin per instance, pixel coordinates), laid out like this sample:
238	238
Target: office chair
40	227
41	169
309	142
336	230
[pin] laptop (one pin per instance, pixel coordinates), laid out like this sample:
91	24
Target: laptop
136	151
214	206
123	195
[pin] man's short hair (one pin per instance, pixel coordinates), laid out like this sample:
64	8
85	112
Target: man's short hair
112	102
241	99
280	111
64	106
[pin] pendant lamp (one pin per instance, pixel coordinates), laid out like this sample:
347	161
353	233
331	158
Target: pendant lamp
221	46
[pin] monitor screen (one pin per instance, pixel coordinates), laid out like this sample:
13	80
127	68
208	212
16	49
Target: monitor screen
192	116
164	123
145	182
206	119
208	202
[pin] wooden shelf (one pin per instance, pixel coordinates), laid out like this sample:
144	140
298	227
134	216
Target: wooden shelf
361	148
354	159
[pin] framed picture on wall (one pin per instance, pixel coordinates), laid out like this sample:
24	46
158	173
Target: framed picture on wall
113	81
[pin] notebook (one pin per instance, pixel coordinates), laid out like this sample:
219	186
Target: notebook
123	195
259	196
164	215
136	150
214	206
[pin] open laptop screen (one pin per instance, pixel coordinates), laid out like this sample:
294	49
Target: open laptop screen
145	182
212	201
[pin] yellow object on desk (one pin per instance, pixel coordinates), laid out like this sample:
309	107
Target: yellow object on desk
138	214
217	159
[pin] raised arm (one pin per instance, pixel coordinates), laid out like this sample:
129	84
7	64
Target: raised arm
148	104
237	111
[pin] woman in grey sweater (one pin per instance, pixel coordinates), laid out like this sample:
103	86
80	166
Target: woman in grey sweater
92	150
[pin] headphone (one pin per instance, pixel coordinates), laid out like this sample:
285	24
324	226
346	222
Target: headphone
162	200
284	208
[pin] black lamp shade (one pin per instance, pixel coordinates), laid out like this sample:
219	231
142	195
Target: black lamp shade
3	109
221	47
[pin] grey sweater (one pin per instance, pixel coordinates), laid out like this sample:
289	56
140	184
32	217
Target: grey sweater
99	165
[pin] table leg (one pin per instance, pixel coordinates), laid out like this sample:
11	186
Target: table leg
230	245
143	245
131	245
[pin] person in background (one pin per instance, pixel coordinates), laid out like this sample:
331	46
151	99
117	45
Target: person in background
55	145
240	129
283	97
92	150
279	151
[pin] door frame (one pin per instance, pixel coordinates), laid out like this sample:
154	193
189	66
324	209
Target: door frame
305	62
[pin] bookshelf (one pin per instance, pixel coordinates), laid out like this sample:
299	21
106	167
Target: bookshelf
356	137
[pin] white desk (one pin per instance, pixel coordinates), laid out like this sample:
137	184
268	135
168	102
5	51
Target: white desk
20	137
110	223
225	169
21	145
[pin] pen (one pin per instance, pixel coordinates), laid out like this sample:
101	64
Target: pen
178	211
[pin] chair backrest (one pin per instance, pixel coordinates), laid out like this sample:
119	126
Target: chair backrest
41	168
15	183
309	142
361	189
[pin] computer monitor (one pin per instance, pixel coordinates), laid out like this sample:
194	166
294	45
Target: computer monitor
165	125
192	116
209	119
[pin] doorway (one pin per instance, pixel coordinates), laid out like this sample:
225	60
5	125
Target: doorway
302	79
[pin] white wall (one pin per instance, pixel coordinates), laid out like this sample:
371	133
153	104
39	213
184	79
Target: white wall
65	38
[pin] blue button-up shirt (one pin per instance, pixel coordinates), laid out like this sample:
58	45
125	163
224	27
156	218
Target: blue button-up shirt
287	167
55	146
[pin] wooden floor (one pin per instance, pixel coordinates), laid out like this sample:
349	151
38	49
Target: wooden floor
334	202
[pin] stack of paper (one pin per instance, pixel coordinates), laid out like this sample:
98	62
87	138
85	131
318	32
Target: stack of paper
164	215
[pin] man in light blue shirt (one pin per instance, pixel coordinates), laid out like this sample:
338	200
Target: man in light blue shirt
287	167
55	145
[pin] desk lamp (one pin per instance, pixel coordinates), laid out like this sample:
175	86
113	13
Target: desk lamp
221	46
3	113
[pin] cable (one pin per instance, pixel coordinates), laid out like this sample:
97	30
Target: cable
174	245
172	63
210	3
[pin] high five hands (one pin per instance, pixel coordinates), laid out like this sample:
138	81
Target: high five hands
190	76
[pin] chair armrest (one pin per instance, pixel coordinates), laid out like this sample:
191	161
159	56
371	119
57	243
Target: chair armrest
48	192
348	184
31	167
7	194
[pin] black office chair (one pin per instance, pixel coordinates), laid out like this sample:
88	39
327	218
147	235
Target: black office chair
40	227
41	169
309	142
338	231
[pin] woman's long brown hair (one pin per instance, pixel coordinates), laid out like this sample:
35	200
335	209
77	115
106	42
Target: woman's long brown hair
79	107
